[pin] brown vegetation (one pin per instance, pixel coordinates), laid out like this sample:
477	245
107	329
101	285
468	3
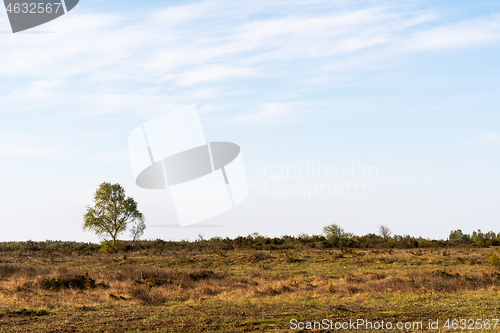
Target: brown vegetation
243	289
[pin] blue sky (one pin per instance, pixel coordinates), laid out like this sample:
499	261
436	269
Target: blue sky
409	88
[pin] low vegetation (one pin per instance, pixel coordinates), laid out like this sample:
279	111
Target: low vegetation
251	283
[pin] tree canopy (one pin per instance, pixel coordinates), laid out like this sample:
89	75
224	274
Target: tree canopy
112	213
336	231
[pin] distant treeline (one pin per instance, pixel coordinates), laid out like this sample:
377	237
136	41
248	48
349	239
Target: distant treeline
256	241
476	238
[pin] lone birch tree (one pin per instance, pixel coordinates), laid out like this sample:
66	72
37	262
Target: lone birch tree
112	213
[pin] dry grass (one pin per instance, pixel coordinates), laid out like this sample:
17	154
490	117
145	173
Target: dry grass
238	289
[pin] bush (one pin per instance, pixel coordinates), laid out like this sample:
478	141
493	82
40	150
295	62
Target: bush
67	282
493	260
7	270
147	296
29	312
108	246
202	275
151	281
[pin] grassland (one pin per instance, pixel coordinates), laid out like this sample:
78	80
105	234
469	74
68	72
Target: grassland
242	290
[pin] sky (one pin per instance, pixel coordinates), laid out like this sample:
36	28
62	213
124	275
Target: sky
358	113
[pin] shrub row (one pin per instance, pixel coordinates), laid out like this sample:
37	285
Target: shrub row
258	242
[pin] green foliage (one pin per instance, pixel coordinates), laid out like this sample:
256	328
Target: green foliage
493	260
333	231
255	241
113	213
477	238
110	247
456	236
336	235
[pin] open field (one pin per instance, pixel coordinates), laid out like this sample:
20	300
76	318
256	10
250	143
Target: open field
242	290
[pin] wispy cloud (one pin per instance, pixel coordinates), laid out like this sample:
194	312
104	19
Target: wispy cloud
468	33
198	42
192	53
